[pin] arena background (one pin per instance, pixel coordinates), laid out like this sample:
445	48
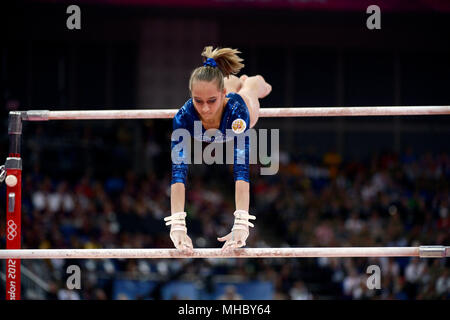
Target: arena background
345	181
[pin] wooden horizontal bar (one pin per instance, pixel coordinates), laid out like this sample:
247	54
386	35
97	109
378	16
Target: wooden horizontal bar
45	115
423	251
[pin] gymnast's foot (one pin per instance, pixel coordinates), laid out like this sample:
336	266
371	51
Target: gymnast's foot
257	84
268	89
232	83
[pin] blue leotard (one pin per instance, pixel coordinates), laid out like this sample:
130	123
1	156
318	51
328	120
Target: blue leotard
234	113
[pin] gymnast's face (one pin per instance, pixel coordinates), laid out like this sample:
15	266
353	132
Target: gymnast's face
208	100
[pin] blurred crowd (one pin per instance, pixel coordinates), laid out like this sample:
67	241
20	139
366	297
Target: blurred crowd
387	200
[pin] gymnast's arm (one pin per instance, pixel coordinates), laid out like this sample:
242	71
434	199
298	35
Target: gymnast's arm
242	195
242	176
177	197
240	231
179	167
241	162
178	230
179	175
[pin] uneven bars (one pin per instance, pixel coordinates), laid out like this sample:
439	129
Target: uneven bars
45	115
422	251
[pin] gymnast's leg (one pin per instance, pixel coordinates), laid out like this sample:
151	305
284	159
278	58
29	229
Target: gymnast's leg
253	89
232	83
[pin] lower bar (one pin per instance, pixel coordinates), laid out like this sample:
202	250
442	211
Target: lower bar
438	251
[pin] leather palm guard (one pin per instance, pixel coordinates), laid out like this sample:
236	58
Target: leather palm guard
241	222
177	221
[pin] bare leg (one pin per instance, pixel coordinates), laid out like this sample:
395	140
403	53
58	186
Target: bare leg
232	84
253	89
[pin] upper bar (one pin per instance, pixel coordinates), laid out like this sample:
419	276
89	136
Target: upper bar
439	251
45	115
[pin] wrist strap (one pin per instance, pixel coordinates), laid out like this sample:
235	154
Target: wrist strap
176	221
178	228
241	222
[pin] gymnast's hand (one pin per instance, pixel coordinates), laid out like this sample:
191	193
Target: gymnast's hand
181	241
240	231
178	232
235	239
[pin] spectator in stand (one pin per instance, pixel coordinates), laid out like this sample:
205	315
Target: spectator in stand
300	292
230	294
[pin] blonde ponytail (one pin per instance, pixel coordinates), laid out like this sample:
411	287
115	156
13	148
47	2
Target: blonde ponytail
227	61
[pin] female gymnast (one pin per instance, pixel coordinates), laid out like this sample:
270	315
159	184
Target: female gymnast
221	101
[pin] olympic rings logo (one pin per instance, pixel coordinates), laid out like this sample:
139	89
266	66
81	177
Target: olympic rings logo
11	230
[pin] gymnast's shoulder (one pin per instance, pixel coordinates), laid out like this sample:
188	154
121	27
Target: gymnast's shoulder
184	115
238	107
236	101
